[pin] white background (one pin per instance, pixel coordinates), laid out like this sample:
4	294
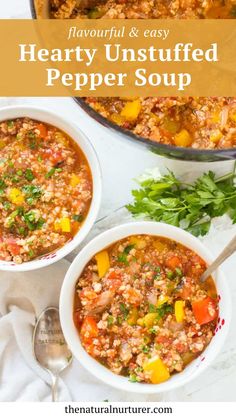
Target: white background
121	162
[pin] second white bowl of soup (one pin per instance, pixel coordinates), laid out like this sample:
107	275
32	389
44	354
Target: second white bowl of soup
134	312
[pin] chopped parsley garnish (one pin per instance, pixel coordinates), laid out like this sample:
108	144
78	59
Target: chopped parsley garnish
119	320
145	349
31	222
110	320
6	205
124	310
133	378
22	231
77	217
170	274
32	193
52	172
2	186
31	134
178	271
31	253
152	308
10	124
161	311
15	179
13	215
29	175
122	257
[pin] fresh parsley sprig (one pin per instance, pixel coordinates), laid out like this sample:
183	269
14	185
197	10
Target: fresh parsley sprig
190	206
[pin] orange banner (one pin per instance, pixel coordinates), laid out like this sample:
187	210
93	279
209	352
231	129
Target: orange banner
118	58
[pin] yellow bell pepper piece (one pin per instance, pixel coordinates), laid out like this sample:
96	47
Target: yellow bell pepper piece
131	110
103	263
117	119
155	117
162	300
74	180
216	136
138	243
133	317
157	369
216	117
183	138
149	319
179	311
233	117
16	196
65	225
140	321
159	245
2	144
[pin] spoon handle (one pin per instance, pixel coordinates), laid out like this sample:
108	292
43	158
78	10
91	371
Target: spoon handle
54	387
225	254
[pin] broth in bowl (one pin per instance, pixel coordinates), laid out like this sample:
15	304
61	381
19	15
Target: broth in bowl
140	309
45	189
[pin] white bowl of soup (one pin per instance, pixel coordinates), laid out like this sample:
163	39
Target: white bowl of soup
50	188
134	312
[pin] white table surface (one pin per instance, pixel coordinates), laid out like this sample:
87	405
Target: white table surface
121	162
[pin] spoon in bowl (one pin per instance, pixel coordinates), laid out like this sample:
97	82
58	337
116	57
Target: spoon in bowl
49	345
225	254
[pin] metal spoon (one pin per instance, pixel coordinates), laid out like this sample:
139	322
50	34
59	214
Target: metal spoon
225	254
49	345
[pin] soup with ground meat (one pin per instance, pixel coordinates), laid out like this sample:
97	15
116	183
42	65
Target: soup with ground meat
143	9
200	123
45	189
140	308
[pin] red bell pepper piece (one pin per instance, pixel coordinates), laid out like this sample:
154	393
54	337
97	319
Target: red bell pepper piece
43	132
173	262
89	329
205	310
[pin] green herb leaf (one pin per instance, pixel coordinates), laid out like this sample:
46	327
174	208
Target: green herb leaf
133	378
32	193
122	257
190	206
110	320
145	349
29	175
77	217
2	186
52	172
31	222
161	311
124	310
